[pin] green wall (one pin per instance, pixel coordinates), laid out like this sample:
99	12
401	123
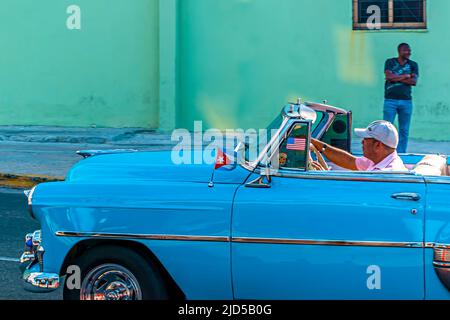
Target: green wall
237	63
104	74
240	60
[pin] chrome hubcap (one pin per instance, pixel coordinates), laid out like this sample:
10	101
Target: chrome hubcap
110	282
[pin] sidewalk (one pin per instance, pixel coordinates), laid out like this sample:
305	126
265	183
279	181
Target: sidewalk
31	155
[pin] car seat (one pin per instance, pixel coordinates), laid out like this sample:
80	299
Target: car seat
432	165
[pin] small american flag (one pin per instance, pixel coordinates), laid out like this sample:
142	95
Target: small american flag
298	144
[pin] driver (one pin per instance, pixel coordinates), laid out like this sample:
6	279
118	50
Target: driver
380	141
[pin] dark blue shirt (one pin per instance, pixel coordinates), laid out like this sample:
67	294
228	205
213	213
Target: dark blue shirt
398	90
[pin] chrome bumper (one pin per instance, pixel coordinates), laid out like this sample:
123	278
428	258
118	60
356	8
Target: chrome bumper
32	266
40	282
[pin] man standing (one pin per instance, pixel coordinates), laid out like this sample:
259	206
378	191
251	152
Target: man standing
401	74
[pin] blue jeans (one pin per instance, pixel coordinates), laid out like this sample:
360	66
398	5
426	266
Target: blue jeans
404	110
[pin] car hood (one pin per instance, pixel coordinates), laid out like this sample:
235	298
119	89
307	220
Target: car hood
150	166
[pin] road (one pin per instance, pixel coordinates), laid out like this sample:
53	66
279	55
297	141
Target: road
15	222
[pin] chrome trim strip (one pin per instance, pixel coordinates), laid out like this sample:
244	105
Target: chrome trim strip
90	153
252	240
439	264
324	107
141	236
429	245
360	178
403	177
437	180
437	245
329	242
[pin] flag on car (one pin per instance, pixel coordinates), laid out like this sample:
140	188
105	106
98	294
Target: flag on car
298	144
222	160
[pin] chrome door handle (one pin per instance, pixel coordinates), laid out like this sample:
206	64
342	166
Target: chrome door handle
406	196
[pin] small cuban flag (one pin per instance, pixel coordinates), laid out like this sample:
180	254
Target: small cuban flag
223	161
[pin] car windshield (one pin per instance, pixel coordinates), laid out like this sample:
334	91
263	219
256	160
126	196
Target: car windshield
255	147
271	130
320	116
273	127
276	123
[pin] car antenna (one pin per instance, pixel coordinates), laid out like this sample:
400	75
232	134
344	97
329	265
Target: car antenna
211	182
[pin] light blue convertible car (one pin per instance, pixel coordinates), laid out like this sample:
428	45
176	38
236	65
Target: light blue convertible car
133	225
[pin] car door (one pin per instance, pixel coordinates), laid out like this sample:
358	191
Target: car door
329	236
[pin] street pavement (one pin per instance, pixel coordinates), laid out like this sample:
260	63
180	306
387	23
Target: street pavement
15	222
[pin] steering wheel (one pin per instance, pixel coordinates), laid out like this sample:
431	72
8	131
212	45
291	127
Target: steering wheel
320	164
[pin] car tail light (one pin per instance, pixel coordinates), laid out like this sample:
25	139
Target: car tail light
442	255
442	264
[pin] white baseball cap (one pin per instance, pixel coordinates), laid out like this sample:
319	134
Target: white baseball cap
381	130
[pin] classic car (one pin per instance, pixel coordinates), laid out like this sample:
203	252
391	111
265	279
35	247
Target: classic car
133	225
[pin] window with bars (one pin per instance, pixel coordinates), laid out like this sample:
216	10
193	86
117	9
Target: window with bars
392	14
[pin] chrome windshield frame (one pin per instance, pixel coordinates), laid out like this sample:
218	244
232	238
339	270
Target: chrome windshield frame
254	164
329	111
285	125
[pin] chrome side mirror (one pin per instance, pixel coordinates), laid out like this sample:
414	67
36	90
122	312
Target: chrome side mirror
262	182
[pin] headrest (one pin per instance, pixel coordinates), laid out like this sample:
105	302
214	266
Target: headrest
432	165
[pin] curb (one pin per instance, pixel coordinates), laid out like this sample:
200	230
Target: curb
16	181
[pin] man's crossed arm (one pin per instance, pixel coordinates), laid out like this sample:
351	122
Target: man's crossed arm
409	79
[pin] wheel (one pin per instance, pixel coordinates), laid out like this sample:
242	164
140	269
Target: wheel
116	273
